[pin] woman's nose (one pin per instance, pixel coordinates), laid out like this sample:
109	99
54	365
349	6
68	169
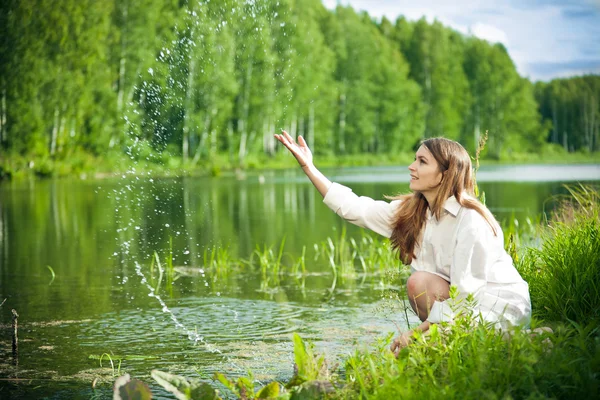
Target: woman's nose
411	167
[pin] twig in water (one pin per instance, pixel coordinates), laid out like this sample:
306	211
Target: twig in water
15	341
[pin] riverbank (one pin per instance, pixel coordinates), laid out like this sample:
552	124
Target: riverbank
85	166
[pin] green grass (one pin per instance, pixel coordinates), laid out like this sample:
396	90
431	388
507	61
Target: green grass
564	274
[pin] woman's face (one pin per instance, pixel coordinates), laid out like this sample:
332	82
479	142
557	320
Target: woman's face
425	175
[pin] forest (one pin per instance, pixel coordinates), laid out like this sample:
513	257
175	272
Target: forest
193	83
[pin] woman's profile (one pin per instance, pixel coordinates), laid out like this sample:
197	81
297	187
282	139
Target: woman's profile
441	230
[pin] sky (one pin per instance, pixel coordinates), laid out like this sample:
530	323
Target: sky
546	39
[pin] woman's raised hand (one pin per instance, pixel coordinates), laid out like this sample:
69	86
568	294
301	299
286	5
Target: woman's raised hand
299	150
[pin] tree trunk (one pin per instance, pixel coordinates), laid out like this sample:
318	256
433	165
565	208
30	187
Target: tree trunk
3	132
214	132
60	140
342	124
203	137
243	123
188	108
54	131
310	135
123	60
230	140
122	69
294	126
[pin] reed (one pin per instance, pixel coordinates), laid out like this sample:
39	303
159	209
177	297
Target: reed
116	371
269	263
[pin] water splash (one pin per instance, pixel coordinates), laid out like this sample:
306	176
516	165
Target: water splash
192	335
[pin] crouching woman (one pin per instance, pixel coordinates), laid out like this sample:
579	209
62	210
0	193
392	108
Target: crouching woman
441	230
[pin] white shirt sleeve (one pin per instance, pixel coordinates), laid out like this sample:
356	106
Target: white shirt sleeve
376	215
473	256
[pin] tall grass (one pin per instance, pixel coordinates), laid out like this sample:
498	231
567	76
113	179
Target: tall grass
564	274
479	362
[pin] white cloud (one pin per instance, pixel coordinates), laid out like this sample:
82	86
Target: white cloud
490	33
534	31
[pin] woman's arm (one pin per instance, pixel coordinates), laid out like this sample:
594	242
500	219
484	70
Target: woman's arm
365	212
304	157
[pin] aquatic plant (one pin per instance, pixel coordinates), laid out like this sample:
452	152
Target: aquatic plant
269	263
53	274
112	364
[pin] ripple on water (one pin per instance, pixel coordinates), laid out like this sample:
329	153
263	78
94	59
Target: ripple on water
250	334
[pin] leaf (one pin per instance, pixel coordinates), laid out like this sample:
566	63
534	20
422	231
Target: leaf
434	333
301	357
135	390
120	382
312	390
178	385
245	385
226	382
204	392
268	392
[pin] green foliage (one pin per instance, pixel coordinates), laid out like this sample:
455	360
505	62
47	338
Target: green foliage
184	388
570	109
199	85
564	274
243	388
131	389
470	360
307	367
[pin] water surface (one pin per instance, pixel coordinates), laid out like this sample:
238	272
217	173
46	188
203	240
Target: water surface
99	238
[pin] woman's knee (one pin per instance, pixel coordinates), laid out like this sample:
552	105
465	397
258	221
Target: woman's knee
421	282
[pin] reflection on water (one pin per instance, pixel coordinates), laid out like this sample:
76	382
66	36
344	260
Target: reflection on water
92	234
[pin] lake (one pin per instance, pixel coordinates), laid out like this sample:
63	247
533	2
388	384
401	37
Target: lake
76	259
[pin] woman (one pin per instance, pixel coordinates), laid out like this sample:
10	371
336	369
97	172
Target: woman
446	235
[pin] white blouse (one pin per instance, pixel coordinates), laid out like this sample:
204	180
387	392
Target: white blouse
459	247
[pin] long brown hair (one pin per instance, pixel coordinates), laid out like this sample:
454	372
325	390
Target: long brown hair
455	164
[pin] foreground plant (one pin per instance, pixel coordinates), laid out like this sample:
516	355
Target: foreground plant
564	274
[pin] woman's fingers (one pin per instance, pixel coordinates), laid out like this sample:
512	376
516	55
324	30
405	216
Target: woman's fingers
285	141
301	141
288	137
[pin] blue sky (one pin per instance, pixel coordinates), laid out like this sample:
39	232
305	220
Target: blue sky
546	38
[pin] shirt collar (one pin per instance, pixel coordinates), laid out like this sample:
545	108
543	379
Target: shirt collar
451	205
